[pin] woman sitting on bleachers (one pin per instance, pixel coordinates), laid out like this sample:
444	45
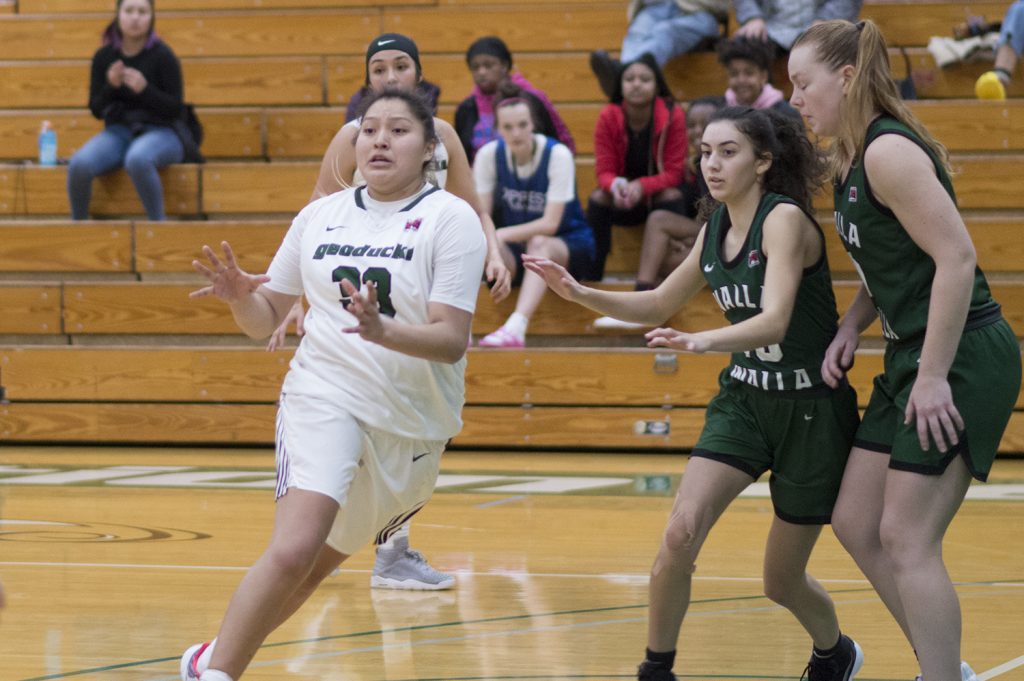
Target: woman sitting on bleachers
640	146
527	182
136	90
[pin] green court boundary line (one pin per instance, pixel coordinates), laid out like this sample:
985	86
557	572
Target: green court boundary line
442	625
504	618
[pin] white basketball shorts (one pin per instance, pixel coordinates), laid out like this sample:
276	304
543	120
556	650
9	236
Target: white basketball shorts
379	479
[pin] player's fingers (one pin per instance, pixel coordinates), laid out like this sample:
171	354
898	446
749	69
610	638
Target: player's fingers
203	270
212	257
371	297
229	255
660	332
847	357
949	428
349	288
935	430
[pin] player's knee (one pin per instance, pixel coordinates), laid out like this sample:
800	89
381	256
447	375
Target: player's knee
292	560
683	534
905	550
850	529
780	587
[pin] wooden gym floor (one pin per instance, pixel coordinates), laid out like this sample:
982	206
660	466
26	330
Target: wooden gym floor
116	559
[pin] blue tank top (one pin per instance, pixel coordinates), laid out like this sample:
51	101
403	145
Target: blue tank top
522	199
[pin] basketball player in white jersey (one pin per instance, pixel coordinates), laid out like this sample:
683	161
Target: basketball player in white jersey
391	271
392	60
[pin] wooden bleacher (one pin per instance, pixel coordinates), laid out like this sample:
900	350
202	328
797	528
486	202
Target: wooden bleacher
99	341
301	133
983	181
154	308
526	398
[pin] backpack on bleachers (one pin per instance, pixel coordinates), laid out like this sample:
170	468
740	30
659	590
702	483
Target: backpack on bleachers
190	132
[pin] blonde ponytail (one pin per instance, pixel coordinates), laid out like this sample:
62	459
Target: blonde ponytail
872	90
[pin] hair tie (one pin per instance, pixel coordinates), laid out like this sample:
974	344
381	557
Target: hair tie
860	26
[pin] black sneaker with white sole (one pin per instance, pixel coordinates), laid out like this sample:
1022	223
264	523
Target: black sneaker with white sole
648	671
841	665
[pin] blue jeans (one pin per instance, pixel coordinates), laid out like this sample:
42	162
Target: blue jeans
666	31
141	156
1012	33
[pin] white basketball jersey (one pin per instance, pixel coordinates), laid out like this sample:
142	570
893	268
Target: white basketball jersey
425	249
437	170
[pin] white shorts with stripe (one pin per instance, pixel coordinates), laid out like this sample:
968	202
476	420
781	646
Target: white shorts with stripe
379	480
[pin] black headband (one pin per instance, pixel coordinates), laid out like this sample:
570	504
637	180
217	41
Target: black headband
392	41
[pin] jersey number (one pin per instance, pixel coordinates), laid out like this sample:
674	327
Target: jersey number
378	276
769	353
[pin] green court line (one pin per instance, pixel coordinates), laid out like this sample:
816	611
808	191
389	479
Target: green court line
504	618
439	625
608	676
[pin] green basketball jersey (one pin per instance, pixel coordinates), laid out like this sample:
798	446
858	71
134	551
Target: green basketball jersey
896	273
738	284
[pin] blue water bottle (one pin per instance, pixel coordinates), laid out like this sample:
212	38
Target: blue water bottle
47	145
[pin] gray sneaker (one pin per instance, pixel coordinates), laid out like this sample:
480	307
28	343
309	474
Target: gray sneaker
405	568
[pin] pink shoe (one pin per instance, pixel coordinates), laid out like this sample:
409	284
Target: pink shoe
502	338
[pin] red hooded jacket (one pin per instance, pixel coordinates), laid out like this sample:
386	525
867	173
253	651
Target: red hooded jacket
668	147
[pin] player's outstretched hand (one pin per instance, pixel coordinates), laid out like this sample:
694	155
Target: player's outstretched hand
677	340
227	280
365	309
554	275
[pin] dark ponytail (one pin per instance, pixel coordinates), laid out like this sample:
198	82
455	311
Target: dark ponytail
797	168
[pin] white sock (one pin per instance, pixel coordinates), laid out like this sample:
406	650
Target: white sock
215	675
400	536
516	324
204	660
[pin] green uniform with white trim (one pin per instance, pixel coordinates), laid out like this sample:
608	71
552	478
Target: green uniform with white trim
897	274
774	412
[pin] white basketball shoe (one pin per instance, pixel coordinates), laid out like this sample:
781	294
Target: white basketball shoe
966	673
196	660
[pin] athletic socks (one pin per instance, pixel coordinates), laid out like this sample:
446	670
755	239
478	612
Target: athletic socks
660	660
516	324
401	534
831	651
